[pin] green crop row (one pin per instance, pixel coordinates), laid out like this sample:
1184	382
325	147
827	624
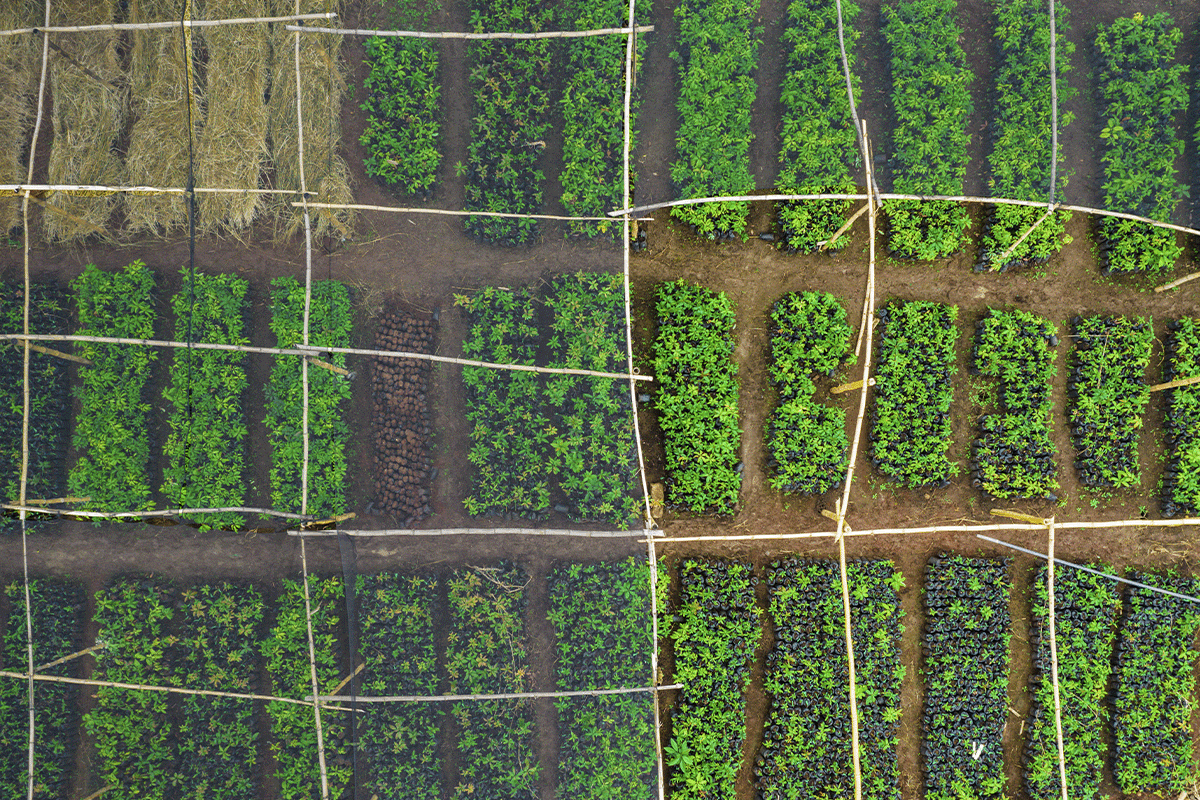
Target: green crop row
713	632
1014	455
1156	681
911	432
819	143
806	735
1109	395
697	398
1020	161
717	54
807	441
1181	482
57	630
329	326
112	429
206	390
47	393
932	103
508	79
1086	609
1143	91
601	618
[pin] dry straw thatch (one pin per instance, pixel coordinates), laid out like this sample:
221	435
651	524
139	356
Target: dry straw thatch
20	57
159	141
322	87
232	149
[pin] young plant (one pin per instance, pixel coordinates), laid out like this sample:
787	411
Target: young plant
1181	482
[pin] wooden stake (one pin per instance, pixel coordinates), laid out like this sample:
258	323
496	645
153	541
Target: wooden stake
1177	282
326	365
330	521
58	500
854	218
1003	257
849	387
59	354
71	657
345	680
825	512
1062	758
1158	387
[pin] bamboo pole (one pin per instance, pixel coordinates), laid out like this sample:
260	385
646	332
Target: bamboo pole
145	26
464	35
163	512
1058	733
862	145
658	750
58	500
849	387
70	188
854	744
1032	520
476	532
454	698
312	665
59	354
1175	384
1003	257
141	687
100	792
346	680
300	350
334	368
1177	282
72	657
827	514
453	213
339	518
845	227
1053	113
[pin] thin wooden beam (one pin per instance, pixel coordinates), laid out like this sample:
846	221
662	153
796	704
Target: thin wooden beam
845	227
452	212
1175	384
59	354
141	687
478	532
312	665
1001	259
455	698
1177	282
465	35
849	387
1032	520
72	657
146	26
162	512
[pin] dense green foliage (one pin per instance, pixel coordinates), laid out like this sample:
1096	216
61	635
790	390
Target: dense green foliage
806	737
717	54
593	109
57	630
1181	483
508	79
403	134
47	393
601	618
932	101
713	632
819	143
1085	610
1109	395
594	452
396	630
911	433
1156	657
1022	131
697	397
966	677
1014	454
293	727
485	654
329	326
807	441
208	424
1144	90
112	428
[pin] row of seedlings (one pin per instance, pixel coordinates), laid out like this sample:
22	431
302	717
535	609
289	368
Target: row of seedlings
819	143
508	79
396	640
966	677
486	654
286	655
806	441
206	390
1181	481
1144	90
1014	454
47	394
403	133
328	326
697	399
601	618
593	110
713	631
596	456
932	102
1108	396
911	433
806	749
1086	610
1022	129
1156	658
400	422
56	616
112	427
717	53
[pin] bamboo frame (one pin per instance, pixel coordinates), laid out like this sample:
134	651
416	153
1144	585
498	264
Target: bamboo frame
1058	733
145	26
475	532
162	512
453	698
464	35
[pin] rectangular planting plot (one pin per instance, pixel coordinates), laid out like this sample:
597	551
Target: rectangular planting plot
1181	482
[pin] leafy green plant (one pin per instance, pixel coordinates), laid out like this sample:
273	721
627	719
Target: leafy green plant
206	390
819	143
112	426
1143	91
329	325
717	54
1181	482
932	101
697	399
403	134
